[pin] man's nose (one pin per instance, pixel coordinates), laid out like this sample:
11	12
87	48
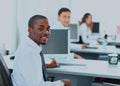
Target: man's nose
47	32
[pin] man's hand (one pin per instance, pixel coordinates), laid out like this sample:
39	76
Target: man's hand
66	82
84	46
52	64
78	57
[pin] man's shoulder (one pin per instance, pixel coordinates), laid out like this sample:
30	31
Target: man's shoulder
24	49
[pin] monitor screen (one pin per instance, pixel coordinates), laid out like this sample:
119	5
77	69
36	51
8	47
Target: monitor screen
95	27
73	32
57	42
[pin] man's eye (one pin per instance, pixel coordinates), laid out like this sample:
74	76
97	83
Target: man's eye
41	29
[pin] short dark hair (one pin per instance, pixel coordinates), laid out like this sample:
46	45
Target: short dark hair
63	10
33	19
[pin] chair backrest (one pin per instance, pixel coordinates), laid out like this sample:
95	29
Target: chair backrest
80	40
5	77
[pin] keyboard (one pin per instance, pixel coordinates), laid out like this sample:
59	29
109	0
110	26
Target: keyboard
72	62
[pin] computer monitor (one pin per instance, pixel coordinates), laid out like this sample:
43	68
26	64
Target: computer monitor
58	43
95	27
74	32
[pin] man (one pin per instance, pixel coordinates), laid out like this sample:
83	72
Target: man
64	15
29	66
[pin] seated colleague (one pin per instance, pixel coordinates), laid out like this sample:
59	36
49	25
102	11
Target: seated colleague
118	34
85	29
29	66
64	15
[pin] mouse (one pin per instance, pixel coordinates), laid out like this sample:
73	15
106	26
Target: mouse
12	57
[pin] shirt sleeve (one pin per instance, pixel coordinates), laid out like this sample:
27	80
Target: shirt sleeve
75	46
30	69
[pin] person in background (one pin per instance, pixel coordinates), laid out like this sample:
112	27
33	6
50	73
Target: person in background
85	30
29	66
118	34
64	16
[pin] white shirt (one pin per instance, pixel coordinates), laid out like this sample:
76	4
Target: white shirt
75	46
58	25
85	33
27	69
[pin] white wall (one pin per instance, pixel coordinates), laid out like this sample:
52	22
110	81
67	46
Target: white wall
50	8
25	9
104	11
8	24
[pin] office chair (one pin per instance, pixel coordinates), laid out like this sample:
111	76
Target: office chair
5	79
80	40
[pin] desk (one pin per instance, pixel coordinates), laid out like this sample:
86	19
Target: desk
96	52
84	75
8	61
81	75
100	50
93	68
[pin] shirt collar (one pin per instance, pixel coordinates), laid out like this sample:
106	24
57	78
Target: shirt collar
30	42
59	23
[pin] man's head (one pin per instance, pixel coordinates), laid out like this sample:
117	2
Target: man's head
64	15
38	28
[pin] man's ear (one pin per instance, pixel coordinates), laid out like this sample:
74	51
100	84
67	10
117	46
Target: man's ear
30	30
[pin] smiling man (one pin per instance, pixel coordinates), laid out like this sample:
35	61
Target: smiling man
29	67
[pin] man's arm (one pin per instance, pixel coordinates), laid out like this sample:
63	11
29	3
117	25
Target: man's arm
30	67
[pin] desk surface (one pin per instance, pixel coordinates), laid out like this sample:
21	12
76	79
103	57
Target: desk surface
99	50
93	68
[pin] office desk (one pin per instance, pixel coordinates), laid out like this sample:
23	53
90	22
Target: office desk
80	72
9	62
96	52
99	50
84	75
82	67
92	68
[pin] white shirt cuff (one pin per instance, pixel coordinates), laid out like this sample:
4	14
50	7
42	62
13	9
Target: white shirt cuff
58	83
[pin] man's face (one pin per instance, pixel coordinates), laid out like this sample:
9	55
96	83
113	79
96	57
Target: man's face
64	18
40	32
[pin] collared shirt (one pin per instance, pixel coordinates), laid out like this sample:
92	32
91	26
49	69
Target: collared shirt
75	46
85	33
58	25
118	37
27	69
